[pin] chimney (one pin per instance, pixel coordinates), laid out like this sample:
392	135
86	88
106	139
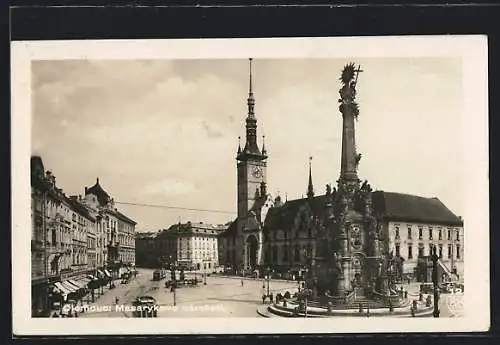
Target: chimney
85	190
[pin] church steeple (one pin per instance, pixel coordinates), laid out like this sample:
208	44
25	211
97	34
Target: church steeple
310	188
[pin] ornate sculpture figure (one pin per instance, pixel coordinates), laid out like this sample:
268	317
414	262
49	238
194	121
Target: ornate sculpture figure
337	262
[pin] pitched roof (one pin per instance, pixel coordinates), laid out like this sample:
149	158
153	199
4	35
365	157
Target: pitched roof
123	217
283	217
391	206
193	228
80	208
412	208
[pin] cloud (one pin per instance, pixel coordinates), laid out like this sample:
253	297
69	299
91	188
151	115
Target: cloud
170	187
166	131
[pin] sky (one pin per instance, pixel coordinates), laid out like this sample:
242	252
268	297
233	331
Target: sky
165	132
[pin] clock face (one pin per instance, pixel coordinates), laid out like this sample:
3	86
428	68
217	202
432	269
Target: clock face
257	172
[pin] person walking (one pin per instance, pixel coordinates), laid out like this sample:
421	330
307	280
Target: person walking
242	283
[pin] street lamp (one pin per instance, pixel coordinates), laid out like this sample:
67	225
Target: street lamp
205	271
435	259
174	288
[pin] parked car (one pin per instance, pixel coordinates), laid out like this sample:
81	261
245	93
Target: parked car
159	274
146	306
452	288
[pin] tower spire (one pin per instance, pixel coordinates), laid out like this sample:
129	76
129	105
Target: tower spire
310	188
239	145
264	145
251	149
251	99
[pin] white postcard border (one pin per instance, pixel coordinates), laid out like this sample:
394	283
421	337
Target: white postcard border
472	50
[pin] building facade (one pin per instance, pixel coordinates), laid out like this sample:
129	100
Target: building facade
68	238
189	245
413	225
115	232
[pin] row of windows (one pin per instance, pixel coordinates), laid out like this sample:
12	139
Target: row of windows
420	249
430	234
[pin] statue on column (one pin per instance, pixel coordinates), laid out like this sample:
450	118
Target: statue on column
349	79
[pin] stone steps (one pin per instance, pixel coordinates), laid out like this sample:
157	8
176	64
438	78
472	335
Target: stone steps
275	310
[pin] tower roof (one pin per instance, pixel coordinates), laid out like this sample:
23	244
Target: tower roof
99	192
251	149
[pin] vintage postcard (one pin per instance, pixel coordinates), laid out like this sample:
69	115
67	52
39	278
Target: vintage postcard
301	185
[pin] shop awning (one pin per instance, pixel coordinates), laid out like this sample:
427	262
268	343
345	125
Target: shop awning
77	283
85	280
62	289
106	272
70	287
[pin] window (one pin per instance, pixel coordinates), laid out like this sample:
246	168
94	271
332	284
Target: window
440	251
420	252
449	251
410	251
449	234
397	250
458	251
397	232
440	234
458	235
409	233
275	253
430	233
419	233
430	248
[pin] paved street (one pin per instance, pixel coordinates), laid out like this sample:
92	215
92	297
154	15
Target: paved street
450	305
221	297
